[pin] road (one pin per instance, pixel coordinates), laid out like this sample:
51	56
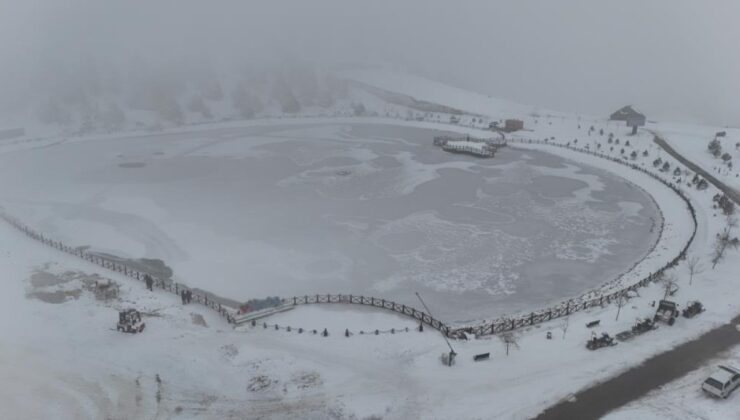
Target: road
597	401
730	192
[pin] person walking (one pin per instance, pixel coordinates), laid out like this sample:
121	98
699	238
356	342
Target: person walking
183	296
149	281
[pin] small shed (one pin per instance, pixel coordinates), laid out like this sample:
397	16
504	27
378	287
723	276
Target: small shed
628	114
513	125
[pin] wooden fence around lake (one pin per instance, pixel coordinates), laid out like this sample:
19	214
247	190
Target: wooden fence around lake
499	325
402	309
585	301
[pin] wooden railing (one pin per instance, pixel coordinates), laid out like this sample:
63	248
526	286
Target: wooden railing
402	309
586	300
204	298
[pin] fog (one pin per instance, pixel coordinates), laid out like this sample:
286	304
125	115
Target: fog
674	60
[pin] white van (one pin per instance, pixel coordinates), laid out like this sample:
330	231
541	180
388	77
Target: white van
722	382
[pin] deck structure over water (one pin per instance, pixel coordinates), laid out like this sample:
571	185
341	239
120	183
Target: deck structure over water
471	145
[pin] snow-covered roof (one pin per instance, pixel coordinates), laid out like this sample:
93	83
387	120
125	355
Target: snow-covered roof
625	112
469	144
723	374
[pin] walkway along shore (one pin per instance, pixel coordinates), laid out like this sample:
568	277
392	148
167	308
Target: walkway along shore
225	307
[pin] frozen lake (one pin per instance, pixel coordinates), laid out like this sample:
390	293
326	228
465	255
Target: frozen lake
362	208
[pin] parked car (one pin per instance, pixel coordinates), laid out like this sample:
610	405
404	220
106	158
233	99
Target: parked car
722	382
667	312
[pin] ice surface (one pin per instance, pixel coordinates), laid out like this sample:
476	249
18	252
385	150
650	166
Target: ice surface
340	208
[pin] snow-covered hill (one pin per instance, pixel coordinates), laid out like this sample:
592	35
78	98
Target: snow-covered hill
150	103
430	91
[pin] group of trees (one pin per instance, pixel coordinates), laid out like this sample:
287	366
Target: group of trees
715	148
53	112
664	166
699	182
246	103
198	105
724	203
108	118
106	99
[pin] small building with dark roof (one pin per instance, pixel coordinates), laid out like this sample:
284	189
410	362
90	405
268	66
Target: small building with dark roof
512	125
628	114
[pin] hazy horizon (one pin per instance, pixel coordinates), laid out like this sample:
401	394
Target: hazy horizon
671	59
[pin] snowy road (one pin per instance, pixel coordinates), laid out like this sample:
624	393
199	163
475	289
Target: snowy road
659	370
731	192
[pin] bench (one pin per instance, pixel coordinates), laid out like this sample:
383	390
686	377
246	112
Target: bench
482	356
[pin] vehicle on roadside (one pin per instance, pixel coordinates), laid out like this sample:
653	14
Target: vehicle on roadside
596	342
722	382
667	312
693	309
643	326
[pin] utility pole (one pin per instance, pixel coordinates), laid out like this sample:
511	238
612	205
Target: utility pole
452	351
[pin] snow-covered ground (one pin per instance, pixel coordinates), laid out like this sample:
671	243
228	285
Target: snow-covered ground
65	355
213	372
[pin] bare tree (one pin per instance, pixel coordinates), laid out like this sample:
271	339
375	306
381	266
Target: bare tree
564	325
724	241
622	300
510	339
694	266
669	285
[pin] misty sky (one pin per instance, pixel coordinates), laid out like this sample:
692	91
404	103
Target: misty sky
674	59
